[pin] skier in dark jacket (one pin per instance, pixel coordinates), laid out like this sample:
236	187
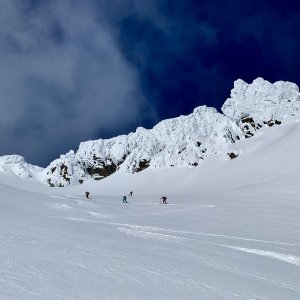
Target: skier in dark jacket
130	194
124	199
164	199
87	195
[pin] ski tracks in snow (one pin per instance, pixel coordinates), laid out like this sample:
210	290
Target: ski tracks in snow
83	211
171	235
156	233
143	231
291	259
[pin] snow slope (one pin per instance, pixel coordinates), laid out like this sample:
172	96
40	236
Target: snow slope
231	230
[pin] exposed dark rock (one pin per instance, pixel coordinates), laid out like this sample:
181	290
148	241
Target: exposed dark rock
232	155
144	164
50	183
272	123
80	181
248	134
101	170
63	170
248	120
181	150
229	136
95	157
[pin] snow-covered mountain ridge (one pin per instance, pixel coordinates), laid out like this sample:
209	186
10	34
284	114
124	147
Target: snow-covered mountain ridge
178	142
184	141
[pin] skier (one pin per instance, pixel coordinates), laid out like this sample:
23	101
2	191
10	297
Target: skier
130	194
124	199
87	195
164	200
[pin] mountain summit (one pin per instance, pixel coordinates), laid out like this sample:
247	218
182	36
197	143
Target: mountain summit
261	103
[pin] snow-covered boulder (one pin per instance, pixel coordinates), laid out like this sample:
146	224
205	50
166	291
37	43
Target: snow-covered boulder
18	165
63	171
262	103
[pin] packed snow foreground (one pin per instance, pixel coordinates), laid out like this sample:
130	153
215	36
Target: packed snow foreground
230	230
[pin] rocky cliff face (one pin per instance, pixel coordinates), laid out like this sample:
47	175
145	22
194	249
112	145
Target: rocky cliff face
180	142
252	106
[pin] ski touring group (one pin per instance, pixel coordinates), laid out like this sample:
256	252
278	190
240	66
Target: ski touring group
162	200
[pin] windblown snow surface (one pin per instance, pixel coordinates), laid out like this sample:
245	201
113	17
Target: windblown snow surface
230	230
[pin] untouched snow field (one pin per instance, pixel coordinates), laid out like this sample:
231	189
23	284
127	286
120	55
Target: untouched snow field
231	230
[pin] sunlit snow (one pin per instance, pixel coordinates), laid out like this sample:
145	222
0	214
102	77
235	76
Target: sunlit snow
230	230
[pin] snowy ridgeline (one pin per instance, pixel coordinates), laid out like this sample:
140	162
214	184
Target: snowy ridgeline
17	165
180	142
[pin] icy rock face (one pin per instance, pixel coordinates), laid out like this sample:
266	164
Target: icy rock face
184	141
262	103
180	142
63	171
18	165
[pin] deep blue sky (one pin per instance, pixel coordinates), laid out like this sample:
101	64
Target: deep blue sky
75	70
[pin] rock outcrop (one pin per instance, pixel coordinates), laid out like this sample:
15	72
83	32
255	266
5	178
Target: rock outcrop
262	103
181	142
184	141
